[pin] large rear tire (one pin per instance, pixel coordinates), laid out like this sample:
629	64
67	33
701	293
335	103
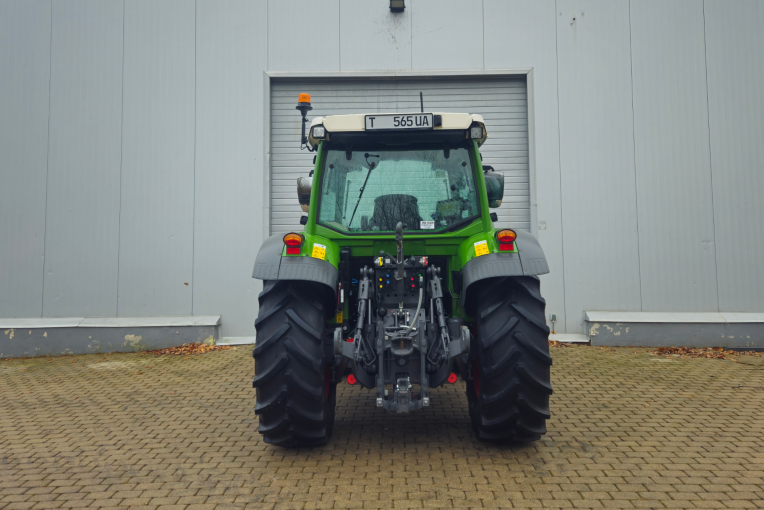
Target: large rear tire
295	394
509	361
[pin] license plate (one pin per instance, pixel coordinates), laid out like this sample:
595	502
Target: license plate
399	121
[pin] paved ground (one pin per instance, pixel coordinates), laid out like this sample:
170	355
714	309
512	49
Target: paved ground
629	430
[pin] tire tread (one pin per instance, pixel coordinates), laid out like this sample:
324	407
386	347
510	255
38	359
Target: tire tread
291	404
512	349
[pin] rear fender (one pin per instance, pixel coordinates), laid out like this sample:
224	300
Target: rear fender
272	264
528	260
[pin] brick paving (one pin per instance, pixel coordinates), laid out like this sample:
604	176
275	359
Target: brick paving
628	430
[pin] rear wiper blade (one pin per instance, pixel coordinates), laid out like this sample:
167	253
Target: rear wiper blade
371	167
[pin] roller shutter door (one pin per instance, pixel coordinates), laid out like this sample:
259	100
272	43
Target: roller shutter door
501	101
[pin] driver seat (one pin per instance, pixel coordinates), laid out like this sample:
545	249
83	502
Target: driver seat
390	209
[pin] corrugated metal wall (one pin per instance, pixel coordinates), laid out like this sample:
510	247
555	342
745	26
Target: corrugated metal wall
501	101
132	157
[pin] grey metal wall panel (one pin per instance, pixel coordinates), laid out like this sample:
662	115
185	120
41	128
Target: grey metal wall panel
734	42
231	55
674	198
157	190
303	35
373	38
447	34
82	233
501	101
24	82
522	33
597	158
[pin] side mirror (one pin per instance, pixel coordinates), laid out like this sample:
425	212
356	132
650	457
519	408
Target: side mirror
304	187
494	186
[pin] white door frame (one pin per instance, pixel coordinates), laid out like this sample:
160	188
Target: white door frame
269	76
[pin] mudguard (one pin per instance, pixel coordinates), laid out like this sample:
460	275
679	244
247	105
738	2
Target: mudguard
270	265
528	261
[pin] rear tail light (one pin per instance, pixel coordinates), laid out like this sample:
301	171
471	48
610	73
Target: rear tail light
293	243
506	239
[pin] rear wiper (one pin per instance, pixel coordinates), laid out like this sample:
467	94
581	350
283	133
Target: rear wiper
371	167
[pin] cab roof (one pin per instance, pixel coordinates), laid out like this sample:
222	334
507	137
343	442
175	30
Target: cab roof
356	123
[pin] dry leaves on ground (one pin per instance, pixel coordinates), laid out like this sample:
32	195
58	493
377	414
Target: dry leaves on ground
189	349
702	352
555	343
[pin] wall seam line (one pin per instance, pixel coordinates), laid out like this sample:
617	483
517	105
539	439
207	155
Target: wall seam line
482	8
193	209
47	166
710	163
559	167
634	159
339	33
121	155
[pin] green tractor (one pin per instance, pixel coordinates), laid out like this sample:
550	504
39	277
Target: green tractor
400	283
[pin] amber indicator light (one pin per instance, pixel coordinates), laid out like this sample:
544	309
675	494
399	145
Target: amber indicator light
506	236
293	240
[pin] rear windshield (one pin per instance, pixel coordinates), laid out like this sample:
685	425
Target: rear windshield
427	190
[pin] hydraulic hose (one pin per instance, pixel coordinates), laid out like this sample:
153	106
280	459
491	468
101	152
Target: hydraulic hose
418	309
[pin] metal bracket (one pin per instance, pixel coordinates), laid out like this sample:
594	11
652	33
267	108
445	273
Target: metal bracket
460	345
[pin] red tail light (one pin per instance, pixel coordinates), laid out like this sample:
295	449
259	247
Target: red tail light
506	239
351	379
293	243
452	378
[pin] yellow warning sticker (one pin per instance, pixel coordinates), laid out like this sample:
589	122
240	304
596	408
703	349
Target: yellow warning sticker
481	248
339	317
319	251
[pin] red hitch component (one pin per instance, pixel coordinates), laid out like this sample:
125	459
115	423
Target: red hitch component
452	378
351	379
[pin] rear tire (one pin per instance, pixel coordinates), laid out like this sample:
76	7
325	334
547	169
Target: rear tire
295	394
509	362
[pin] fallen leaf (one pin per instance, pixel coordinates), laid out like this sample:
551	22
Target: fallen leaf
701	352
189	349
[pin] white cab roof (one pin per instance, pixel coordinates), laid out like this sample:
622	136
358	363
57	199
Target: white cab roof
357	123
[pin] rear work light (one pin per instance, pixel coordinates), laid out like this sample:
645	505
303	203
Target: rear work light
293	243
476	131
506	239
318	132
